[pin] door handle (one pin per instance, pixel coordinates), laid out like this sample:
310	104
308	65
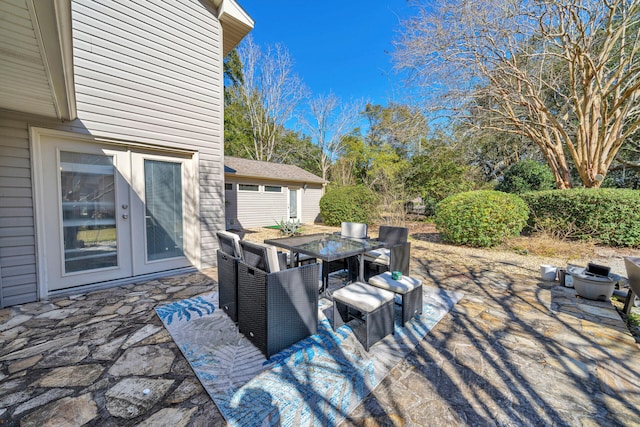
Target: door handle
125	216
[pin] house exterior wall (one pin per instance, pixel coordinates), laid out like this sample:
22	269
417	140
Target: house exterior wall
148	74
17	230
249	209
257	208
311	203
152	72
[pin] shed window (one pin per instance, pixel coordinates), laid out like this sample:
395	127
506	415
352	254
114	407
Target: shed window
272	189
248	187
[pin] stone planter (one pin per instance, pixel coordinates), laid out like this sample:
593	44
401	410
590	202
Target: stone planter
593	287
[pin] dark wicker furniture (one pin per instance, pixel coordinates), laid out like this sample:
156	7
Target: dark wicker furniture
373	305
276	309
394	256
352	230
228	256
409	288
328	248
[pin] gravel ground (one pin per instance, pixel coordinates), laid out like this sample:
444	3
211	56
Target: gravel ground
520	256
528	255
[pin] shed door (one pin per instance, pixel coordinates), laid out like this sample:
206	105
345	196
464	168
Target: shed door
294	203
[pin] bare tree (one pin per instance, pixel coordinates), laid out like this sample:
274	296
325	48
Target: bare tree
329	121
270	92
563	73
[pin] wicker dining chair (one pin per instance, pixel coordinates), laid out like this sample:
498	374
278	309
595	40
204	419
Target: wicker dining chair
228	256
352	230
276	307
395	254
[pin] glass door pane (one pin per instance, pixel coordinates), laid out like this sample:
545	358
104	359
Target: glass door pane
163	209
88	211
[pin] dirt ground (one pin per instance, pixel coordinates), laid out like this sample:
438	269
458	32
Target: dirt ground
520	255
527	251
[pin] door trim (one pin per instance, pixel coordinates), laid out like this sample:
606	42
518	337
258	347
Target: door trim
142	265
298	191
36	135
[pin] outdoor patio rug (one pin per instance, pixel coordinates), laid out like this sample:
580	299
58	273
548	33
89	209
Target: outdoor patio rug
317	381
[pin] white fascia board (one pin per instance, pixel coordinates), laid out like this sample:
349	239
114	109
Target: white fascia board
236	24
52	22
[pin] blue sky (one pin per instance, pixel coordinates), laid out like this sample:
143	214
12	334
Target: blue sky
337	45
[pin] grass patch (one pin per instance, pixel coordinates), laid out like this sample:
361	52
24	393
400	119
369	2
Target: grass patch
547	246
272	227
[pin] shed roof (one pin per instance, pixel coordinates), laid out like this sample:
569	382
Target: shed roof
235	166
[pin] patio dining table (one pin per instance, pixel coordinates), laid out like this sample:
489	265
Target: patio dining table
327	247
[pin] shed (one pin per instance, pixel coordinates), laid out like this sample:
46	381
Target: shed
261	193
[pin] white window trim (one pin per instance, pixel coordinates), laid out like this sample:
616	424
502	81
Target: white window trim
248	191
280	187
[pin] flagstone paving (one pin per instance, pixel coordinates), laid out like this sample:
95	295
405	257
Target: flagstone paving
514	351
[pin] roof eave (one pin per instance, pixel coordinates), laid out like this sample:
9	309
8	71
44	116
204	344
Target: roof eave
236	23
52	21
296	180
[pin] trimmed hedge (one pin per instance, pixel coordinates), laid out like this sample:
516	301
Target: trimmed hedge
348	204
480	218
608	215
527	175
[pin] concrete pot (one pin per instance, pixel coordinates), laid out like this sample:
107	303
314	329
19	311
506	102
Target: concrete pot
593	287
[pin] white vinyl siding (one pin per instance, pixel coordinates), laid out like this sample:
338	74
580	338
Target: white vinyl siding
311	203
262	208
146	72
258	208
17	235
151	72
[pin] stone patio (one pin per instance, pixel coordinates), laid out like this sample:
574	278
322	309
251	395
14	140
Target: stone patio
515	351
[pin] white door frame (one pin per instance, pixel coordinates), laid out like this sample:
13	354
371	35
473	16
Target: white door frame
141	265
298	191
191	206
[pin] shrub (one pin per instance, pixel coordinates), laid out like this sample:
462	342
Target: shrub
437	175
527	175
607	215
348	204
289	228
480	218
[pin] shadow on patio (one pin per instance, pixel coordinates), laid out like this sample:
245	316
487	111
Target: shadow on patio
514	351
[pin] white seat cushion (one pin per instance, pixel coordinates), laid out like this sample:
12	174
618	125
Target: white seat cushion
362	296
354	229
378	256
272	259
401	286
236	242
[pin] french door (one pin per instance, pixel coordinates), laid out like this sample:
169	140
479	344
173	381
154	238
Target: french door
107	212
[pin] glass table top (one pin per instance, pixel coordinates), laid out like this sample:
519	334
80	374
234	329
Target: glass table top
328	247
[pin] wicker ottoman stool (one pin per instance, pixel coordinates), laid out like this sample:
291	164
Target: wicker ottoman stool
373	305
410	289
